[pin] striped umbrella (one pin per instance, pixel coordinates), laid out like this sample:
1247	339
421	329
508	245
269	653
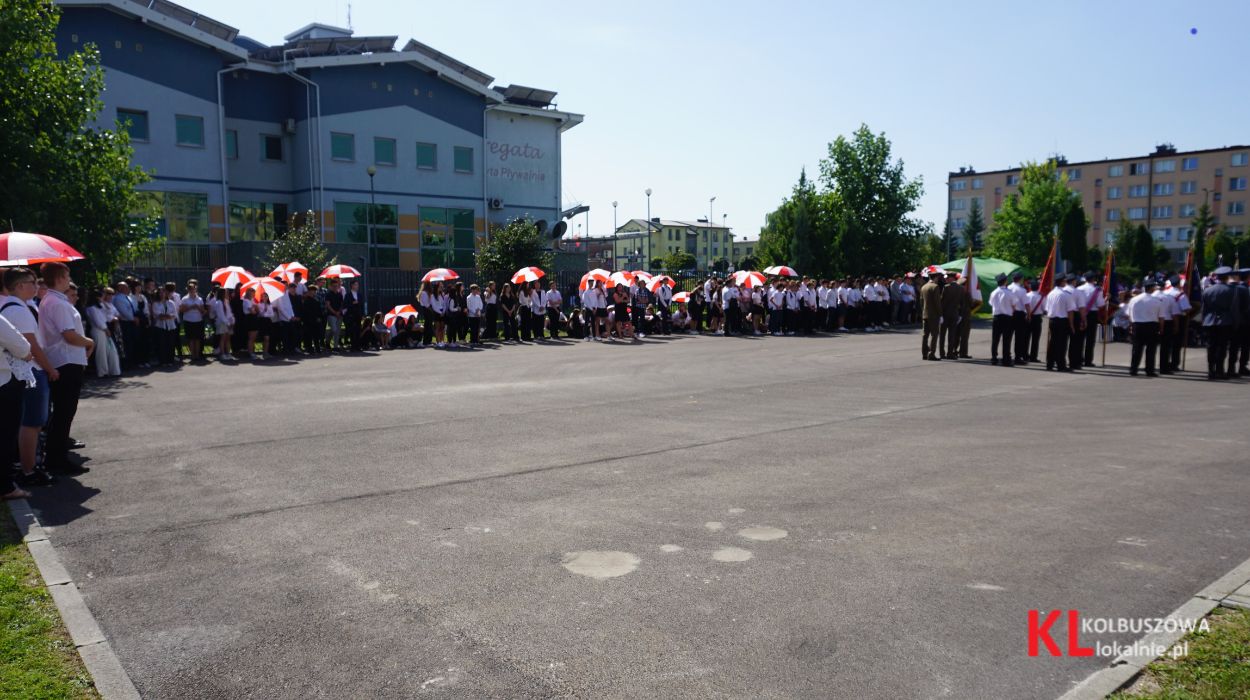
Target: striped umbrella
268	286
527	274
654	283
621	278
681	298
749	279
646	276
405	311
598	273
232	276
781	271
440	274
17	248
340	271
286	271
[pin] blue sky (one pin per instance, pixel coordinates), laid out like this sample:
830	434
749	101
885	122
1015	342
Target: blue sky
732	99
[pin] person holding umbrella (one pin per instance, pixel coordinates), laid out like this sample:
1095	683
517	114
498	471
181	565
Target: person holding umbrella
67	349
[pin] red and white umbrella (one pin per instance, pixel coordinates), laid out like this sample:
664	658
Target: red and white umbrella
621	278
232	276
654	283
646	276
286	271
781	271
405	311
681	298
527	274
749	279
17	248
268	286
440	274
597	274
340	271
932	270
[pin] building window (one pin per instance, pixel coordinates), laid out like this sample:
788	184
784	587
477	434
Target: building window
232	144
1233	231
1115	170
1137	213
1113	215
979	201
1074	174
1113	192
1184	233
462	159
1189	186
1162	234
1190	163
1235	208
183	215
977	183
189	131
1188	210
1236	184
959	224
1238	159
959	185
1165	166
257	221
383	151
427	156
271	147
134	122
1137	191
1013	179
342	146
959	204
355	223
1162	189
1161	212
1139	168
447	238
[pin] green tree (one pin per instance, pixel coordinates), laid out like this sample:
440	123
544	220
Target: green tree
1203	224
806	249
62	176
1073	245
1221	249
720	265
750	262
974	227
1024	228
932	251
948	245
1097	259
679	260
1141	250
777	236
302	244
512	247
868	205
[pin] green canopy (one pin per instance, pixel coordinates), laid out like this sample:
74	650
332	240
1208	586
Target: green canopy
987	269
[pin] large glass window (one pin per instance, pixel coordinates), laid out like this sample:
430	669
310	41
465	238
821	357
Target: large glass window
1137	213
257	221
447	237
1161	212
1113	193
232	143
427	156
354	223
135	122
1189	186
1189	163
463	159
342	146
271	147
182	216
189	130
1137	191
959	185
1165	166
1162	189
383	151
1115	170
1238	159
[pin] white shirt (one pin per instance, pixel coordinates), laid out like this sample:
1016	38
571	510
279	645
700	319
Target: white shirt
165	308
1168	304
822	298
474	305
728	294
1144	308
1033	301
1021	294
221	311
908	293
283	307
1079	296
776	298
1182	302
192	309
98	316
538	301
554	299
1093	296
264	309
19	315
489	298
664	295
57	315
423	299
17	347
883	292
1059	303
440	303
1003	301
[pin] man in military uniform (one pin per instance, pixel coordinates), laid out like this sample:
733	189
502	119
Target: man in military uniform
966	306
931	316
1095	302
1219	319
952	302
1076	341
1146	311
1020	318
1060	308
1239	343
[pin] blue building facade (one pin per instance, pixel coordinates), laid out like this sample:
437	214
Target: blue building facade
238	136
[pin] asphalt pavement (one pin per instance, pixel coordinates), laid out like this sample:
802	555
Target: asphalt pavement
681	517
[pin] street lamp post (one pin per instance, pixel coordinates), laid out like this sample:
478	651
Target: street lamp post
648	228
373	203
614	203
711	220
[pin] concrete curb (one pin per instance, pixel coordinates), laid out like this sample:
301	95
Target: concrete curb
111	680
1230	590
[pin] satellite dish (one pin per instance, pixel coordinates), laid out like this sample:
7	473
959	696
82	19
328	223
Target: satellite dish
559	229
541	225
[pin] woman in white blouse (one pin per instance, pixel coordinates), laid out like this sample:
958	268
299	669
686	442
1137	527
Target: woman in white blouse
107	363
14	349
223	321
165	321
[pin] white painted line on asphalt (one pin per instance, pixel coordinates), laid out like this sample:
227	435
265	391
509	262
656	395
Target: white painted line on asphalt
1226	591
110	678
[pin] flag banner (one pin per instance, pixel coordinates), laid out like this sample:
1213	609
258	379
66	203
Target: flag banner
971	282
1046	282
1110	286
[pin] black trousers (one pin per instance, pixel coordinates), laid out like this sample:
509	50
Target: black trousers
65	391
1178	344
10	419
1167	340
1217	349
1239	349
1091	337
526	324
1020	328
1057	344
666	316
1076	346
351	326
948	344
475	329
427	318
492	321
1035	335
1145	339
1002	329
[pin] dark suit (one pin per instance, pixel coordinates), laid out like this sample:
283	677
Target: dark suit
1219	318
953	296
1239	343
931	314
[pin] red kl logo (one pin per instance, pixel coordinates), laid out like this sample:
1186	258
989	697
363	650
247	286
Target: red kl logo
1039	631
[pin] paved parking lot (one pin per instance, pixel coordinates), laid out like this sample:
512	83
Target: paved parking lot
690	517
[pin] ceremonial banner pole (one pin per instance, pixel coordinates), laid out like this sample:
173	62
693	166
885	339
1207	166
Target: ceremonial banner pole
1185	287
1045	284
1106	307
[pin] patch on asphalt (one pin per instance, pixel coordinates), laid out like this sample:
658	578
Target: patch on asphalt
762	534
600	565
732	554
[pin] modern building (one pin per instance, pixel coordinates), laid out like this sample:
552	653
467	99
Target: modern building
238	135
1161	190
706	242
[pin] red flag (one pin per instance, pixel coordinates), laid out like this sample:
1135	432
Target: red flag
1108	287
1046	282
1186	279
